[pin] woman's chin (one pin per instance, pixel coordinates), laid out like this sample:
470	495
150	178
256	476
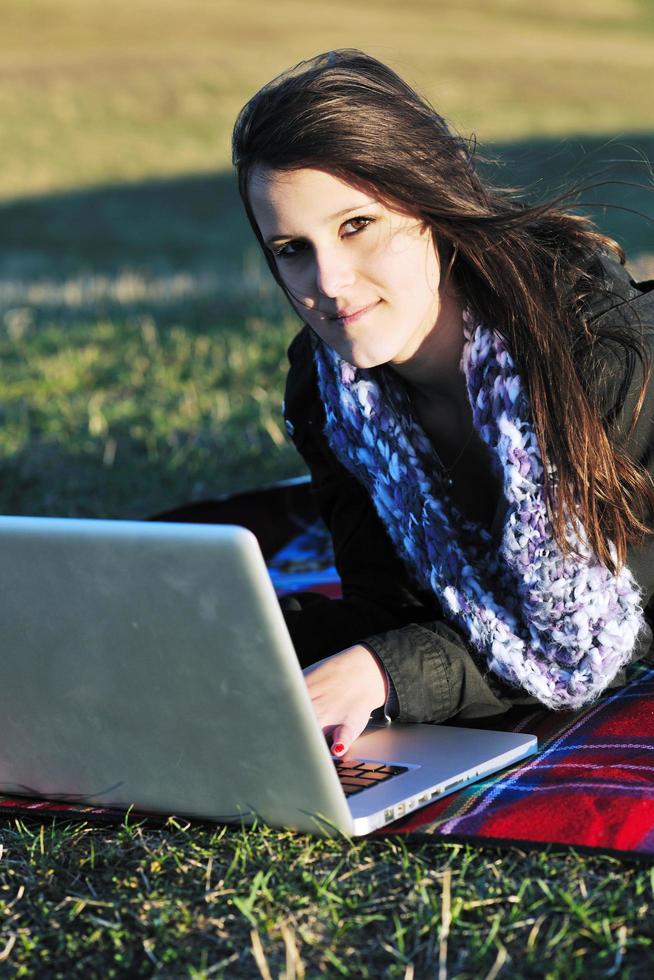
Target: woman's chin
362	359
359	355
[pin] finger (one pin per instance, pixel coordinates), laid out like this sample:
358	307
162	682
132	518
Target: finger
342	738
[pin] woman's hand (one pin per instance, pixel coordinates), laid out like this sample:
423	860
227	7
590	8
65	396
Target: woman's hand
344	690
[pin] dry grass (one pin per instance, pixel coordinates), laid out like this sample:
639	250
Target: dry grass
97	93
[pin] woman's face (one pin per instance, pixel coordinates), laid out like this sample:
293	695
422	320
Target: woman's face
364	277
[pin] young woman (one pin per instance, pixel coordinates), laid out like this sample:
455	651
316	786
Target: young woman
471	393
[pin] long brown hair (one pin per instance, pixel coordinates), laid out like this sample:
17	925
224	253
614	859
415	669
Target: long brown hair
527	269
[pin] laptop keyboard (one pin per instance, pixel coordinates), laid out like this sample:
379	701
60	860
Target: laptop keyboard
356	775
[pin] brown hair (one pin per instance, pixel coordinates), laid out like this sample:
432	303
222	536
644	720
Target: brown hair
527	269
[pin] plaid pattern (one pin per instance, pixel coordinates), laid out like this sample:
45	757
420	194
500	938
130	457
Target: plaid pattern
306	563
590	786
17	807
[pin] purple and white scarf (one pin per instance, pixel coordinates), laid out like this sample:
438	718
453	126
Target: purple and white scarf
558	627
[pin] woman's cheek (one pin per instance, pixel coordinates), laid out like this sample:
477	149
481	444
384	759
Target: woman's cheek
298	285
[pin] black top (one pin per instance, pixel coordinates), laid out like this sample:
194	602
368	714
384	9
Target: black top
435	673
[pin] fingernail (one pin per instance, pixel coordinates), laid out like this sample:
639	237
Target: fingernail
338	748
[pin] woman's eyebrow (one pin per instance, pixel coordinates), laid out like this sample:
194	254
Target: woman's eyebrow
331	217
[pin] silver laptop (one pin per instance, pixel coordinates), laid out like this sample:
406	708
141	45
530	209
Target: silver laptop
149	664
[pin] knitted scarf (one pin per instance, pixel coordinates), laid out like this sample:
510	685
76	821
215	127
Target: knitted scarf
558	627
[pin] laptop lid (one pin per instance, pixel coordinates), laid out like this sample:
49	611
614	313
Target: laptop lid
149	664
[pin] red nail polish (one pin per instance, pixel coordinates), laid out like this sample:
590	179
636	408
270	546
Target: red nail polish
339	747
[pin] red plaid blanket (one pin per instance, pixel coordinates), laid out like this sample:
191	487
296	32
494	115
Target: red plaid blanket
591	785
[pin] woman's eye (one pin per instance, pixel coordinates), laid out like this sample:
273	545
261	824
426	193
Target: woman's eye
288	250
358	224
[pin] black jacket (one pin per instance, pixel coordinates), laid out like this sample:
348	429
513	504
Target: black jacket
435	674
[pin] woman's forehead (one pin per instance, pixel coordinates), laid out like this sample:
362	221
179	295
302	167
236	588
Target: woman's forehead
304	195
271	185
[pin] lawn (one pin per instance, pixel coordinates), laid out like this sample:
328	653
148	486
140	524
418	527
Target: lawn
143	355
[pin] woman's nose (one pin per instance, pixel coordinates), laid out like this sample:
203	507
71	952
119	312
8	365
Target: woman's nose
334	272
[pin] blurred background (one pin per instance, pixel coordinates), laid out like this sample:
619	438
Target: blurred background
142	340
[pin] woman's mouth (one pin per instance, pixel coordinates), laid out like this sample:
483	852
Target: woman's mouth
345	319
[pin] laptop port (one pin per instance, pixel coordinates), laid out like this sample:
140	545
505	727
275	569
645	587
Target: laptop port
389	814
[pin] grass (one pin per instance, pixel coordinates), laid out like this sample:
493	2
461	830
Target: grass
93	93
123	419
137	900
142	349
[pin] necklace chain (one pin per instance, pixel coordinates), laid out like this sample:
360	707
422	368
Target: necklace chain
447	470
